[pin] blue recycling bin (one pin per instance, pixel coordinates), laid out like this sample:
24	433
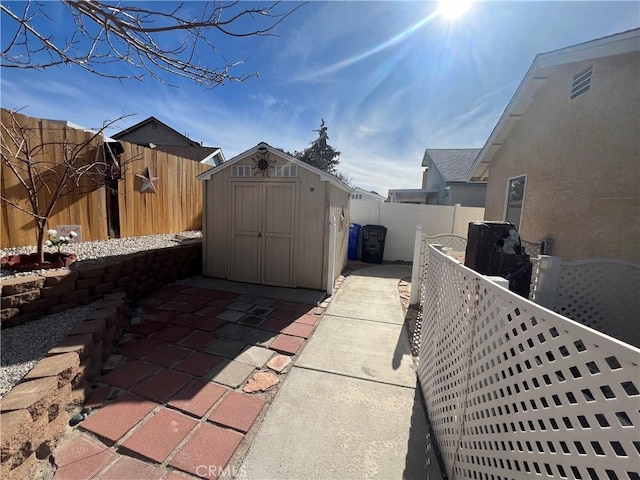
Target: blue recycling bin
354	235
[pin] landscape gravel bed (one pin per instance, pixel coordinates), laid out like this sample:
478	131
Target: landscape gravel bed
101	251
21	347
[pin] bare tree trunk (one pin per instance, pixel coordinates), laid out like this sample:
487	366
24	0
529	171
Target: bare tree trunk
41	225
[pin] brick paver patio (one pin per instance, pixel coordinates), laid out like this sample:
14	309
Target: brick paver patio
171	404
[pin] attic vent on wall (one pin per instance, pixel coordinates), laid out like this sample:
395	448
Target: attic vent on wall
241	171
581	82
286	171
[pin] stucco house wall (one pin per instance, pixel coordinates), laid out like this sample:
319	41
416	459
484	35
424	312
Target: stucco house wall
582	161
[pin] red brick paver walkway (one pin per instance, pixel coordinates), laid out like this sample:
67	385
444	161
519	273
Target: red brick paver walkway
167	409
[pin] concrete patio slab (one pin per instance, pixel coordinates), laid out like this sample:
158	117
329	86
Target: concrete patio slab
381	272
230	315
225	347
326	426
362	349
298	295
367	279
256	356
375	306
230	373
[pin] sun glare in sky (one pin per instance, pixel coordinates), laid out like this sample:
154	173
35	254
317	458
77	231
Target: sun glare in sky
453	9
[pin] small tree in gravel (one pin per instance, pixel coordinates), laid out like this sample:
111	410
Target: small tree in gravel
47	166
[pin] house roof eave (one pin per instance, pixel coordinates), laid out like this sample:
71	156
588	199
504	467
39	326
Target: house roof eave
536	76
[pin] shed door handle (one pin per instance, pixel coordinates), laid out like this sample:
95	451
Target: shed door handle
260	234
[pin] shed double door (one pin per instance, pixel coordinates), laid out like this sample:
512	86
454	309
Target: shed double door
262	233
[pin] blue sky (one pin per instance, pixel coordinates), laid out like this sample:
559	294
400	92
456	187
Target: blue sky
389	78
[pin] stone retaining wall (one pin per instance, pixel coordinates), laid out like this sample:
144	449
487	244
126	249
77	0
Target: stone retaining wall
30	297
35	413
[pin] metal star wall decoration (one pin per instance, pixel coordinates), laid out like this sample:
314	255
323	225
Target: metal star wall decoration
147	181
262	163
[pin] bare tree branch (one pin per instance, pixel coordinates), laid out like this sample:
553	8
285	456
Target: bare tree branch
140	37
47	171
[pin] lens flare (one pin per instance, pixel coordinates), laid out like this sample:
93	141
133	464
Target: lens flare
453	9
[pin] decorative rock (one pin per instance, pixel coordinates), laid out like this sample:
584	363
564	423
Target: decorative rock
27	262
77	418
260	382
279	363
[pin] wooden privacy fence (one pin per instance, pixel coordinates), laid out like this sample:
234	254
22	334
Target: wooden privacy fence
103	212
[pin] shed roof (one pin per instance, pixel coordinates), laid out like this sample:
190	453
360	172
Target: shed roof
452	163
324	176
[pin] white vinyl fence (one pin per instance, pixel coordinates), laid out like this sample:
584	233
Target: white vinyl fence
401	220
514	390
602	293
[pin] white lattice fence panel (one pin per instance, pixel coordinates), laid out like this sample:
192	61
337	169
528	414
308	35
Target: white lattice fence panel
456	242
603	294
532	249
514	390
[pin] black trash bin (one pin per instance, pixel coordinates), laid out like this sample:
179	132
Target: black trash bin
373	243
494	248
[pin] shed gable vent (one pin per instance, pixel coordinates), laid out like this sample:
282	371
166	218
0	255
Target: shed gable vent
286	170
581	82
241	171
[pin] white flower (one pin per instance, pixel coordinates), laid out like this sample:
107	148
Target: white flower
48	243
73	234
52	232
64	239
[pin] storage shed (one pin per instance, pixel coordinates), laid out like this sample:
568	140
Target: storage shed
270	218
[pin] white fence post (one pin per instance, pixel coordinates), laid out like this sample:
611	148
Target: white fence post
417	265
332	255
548	280
454	227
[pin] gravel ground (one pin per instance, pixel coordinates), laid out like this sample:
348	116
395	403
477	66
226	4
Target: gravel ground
101	251
21	347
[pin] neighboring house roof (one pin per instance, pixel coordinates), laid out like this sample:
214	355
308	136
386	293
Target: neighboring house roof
147	121
452	163
190	150
324	176
369	193
537	75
